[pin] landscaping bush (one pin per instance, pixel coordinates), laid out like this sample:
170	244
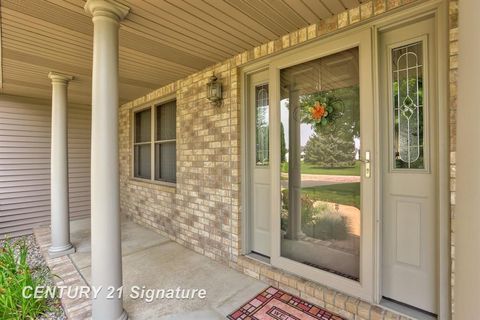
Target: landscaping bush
318	221
15	274
327	225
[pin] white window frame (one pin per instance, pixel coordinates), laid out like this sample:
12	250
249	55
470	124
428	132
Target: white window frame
152	106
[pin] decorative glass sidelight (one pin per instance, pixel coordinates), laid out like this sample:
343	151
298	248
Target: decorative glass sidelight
320	169
261	122
407	85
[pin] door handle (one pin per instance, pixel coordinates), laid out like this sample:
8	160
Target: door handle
367	162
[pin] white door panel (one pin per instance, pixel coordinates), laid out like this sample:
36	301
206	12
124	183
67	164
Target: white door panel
258	149
409	150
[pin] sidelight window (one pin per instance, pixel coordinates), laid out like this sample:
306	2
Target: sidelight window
408	104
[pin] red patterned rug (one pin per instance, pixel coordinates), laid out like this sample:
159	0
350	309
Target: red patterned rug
275	304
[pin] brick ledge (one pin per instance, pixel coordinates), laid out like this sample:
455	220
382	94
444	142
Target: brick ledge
64	272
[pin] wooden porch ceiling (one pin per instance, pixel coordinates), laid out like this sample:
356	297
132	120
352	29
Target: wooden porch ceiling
160	41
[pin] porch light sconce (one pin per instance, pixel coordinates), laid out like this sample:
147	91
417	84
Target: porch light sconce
214	91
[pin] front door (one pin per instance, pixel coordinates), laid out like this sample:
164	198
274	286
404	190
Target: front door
258	154
409	150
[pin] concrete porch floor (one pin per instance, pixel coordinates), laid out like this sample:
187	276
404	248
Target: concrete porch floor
156	262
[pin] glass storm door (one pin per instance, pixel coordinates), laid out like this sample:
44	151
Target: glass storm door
326	193
320	116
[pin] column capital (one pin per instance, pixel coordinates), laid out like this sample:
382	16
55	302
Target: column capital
59	77
109	8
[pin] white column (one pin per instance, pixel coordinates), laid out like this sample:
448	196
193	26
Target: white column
294	227
105	192
467	211
60	223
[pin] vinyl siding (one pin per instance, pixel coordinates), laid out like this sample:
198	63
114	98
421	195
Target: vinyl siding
25	163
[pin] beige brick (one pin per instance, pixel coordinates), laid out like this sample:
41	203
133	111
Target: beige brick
354	15
329	296
351	305
312	299
289	289
286	41
364	310
376	313
293	38
392	4
342	20
319	293
302	35
312	31
379	6
340	300
391	316
366	10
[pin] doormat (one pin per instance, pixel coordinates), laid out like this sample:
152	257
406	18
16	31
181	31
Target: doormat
275	304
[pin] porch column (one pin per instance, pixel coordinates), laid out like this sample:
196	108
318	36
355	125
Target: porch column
294	228
467	211
60	222
105	192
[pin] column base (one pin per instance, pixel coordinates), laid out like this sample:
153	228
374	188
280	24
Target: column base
54	252
123	316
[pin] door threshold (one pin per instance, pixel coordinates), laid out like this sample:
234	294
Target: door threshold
259	257
407	310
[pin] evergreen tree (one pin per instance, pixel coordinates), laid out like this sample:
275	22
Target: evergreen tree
331	149
283	148
333	145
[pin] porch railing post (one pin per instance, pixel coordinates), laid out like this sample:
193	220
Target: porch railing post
105	198
60	223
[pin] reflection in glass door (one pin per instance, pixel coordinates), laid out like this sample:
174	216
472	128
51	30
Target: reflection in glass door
320	163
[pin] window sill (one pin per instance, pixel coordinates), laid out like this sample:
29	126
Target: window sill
161	185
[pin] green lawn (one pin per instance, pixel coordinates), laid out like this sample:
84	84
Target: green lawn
309	168
344	193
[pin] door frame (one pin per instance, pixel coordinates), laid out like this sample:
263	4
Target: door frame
249	166
413	11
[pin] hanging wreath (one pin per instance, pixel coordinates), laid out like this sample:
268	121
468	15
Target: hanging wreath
322	109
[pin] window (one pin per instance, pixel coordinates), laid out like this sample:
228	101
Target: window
154	143
165	143
142	147
407	79
261	119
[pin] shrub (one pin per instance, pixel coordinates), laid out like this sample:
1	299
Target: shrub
327	225
15	274
318	221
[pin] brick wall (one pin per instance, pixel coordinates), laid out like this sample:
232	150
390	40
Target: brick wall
453	67
203	211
